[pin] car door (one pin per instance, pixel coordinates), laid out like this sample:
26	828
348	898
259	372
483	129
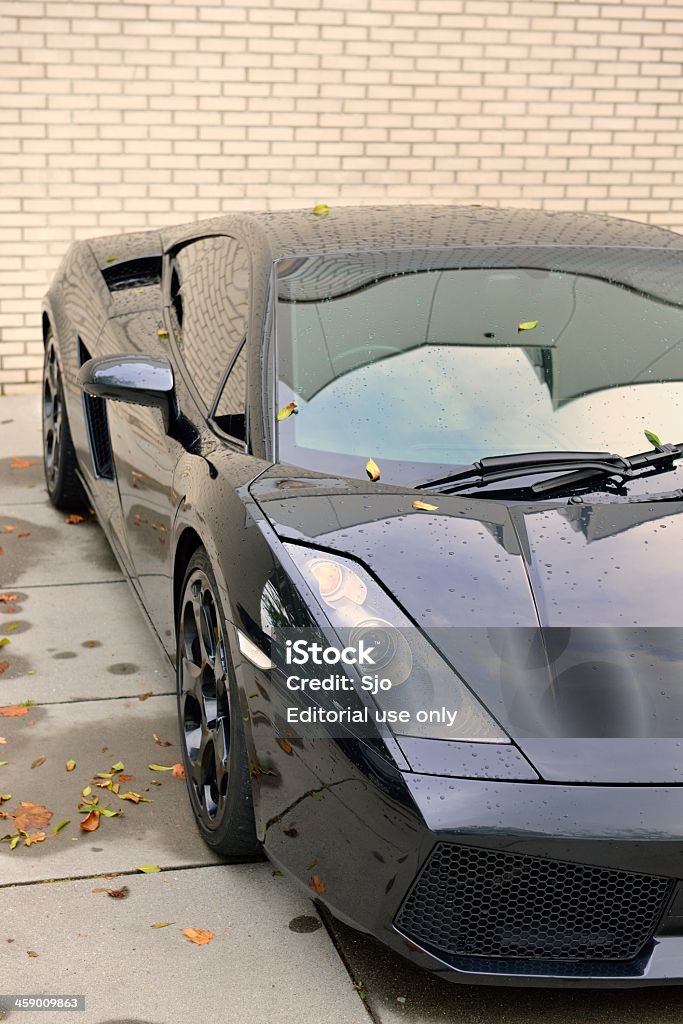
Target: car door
204	321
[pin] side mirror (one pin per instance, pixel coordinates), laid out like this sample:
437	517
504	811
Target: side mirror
138	380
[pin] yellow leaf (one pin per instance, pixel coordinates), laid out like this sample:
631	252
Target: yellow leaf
118	767
162	332
160	767
199	936
162	924
70	765
4	641
148	869
38	761
320	210
372	469
287	410
424	506
86	792
134	798
528	325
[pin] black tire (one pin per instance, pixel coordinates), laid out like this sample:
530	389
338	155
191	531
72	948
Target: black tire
210	724
59	458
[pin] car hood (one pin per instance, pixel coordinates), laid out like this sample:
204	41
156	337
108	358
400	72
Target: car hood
564	619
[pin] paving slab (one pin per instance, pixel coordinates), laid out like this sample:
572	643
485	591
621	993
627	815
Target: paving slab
42	549
20	435
399	993
97	735
255	970
84	641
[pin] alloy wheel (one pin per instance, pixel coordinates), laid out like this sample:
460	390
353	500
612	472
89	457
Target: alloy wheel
204	698
53	415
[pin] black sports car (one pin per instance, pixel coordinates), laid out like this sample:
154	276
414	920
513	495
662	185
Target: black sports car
399	491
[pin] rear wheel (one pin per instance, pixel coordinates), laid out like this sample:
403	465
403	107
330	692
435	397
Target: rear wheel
211	732
59	458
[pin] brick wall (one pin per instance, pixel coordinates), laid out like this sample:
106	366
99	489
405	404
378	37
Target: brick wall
122	115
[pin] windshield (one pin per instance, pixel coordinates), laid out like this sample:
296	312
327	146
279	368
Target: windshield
424	361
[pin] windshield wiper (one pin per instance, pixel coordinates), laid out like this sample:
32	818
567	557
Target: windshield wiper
576	468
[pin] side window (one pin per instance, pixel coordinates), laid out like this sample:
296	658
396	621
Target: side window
210	305
231	409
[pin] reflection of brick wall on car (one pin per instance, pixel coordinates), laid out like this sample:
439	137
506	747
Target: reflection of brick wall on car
214	285
234	396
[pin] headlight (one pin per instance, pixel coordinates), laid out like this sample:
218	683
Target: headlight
425	697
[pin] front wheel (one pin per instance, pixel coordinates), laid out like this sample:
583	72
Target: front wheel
211	732
59	458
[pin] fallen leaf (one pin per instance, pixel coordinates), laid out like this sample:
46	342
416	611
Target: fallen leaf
160	767
86	791
199	936
148	869
652	438
2	739
4	641
107	811
162	924
8	528
178	771
5	798
37	837
12	627
18	463
134	798
159	742
317	885
31	817
14	842
118	767
146	696
91	822
372	469
162	332
284	744
62	824
70	765
320	210
13	711
126	778
32	952
102	783
424	506
111	259
8	598
4	665
3	763
528	325
118	894
277	873
23	535
286	411
73	519
38	761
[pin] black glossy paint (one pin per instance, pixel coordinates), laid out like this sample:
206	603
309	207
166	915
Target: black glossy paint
475	577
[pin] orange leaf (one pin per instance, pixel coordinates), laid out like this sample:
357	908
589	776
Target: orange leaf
30	817
23	534
18	463
317	885
8	528
74	518
424	506
286	411
199	936
8	598
284	744
177	771
372	469
4	665
126	778
37	837
146	696
159	742
91	821
13	711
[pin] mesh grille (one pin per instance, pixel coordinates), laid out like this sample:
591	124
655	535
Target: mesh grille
96	414
484	903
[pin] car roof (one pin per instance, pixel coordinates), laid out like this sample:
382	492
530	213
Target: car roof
291	233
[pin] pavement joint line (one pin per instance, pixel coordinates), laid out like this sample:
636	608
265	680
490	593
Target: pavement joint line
357	981
74	583
95	700
117	874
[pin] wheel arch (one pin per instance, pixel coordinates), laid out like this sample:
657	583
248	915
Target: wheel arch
188	542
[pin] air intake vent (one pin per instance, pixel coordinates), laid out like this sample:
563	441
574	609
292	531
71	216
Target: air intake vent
468	902
97	427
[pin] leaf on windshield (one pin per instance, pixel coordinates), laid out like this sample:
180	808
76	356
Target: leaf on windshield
528	325
372	469
287	410
652	438
320	210
424	506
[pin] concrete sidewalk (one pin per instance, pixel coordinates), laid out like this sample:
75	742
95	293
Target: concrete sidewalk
80	650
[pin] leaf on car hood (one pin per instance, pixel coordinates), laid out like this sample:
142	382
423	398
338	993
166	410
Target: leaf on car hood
372	469
527	325
31	817
287	410
424	506
199	936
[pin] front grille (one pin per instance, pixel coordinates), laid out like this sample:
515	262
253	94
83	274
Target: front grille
468	902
